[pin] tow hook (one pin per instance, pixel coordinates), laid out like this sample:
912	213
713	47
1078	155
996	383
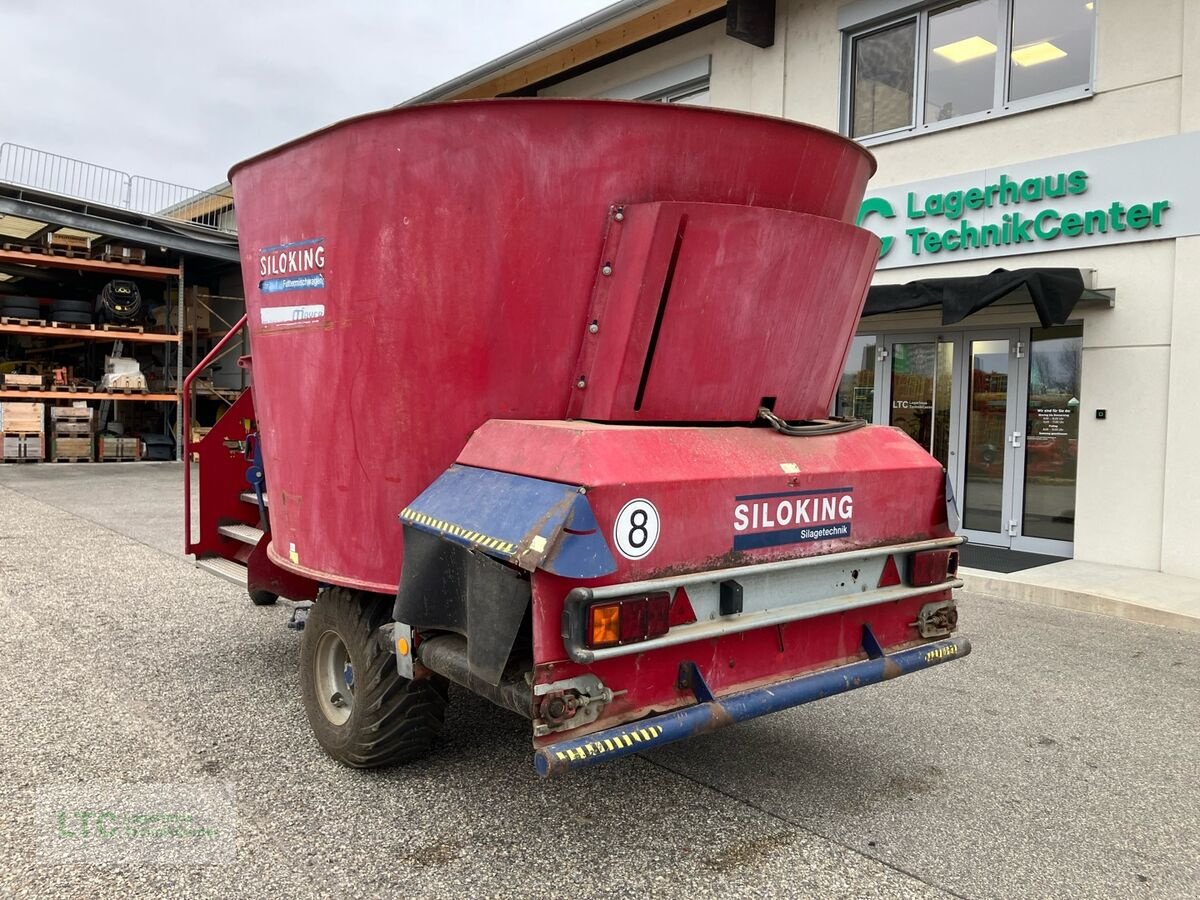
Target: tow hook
937	619
563	705
556	708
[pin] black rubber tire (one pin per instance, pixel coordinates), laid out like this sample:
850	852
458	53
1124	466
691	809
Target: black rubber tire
18	300
392	720
73	306
21	312
73	318
263	598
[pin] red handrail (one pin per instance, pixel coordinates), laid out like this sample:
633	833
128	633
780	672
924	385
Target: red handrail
187	427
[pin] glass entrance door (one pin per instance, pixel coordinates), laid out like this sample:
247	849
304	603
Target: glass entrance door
1045	496
991	439
998	408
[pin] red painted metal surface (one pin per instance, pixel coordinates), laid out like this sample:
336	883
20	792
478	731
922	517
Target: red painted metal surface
675	338
412	274
648	682
222	478
697	478
223	465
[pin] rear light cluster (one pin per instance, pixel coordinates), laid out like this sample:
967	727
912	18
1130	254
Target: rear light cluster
930	567
933	567
628	620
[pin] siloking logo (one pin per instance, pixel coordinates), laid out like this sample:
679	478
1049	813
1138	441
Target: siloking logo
792	517
295	266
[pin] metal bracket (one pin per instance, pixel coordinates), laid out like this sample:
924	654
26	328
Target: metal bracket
299	616
563	705
400	637
690	679
870	643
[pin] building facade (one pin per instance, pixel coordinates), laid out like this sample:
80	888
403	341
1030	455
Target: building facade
1010	134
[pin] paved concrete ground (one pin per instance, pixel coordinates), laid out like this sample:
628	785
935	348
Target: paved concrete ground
1151	597
1059	760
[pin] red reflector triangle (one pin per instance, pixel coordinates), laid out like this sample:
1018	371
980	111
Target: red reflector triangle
681	610
891	575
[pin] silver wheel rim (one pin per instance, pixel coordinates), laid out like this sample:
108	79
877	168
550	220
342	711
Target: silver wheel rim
334	677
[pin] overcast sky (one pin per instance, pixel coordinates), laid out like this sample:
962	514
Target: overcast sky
180	90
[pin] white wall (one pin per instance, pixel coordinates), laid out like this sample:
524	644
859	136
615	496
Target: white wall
1181	472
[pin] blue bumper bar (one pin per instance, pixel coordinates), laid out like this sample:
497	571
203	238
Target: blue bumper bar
646	734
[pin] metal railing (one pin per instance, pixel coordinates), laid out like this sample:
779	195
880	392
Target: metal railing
37	169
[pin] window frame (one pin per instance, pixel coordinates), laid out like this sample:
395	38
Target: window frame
1001	105
667	85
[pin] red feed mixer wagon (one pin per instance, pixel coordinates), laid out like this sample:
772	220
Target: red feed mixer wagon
540	407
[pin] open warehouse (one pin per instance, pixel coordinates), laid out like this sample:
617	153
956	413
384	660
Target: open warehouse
111	287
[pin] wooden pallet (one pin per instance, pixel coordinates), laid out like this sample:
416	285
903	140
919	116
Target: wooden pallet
19	432
92	326
73	388
22	387
120	258
21	459
9	320
70	252
71	459
125	390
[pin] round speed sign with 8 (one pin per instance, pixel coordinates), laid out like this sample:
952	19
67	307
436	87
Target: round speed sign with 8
636	529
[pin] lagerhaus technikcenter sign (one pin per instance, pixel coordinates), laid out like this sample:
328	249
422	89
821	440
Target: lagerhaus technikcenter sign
1131	192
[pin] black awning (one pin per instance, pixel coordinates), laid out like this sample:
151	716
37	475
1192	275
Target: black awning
1053	292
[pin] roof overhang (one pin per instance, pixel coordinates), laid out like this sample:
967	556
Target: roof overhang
615	28
59	212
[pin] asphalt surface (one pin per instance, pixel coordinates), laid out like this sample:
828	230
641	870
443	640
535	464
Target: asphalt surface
1059	760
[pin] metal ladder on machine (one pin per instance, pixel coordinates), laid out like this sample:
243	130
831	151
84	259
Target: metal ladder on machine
235	569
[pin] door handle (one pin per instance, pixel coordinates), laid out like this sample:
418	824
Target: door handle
1015	439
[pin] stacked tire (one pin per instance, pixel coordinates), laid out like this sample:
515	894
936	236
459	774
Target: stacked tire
76	312
19	308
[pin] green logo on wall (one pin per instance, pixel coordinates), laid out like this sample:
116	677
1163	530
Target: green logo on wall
879	207
1014	227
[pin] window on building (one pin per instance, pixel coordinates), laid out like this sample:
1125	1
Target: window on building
686	83
694	94
882	97
956	62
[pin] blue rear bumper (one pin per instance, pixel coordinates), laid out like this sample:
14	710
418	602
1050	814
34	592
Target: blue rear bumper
613	743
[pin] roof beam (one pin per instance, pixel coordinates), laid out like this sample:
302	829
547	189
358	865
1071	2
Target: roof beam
84	221
593	47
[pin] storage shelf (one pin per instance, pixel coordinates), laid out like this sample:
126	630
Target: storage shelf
87	334
80	264
82	395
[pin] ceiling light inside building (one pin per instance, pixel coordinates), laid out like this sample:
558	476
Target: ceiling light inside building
1036	54
973	47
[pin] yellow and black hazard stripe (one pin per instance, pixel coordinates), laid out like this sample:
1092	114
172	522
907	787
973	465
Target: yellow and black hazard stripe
411	517
608	745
